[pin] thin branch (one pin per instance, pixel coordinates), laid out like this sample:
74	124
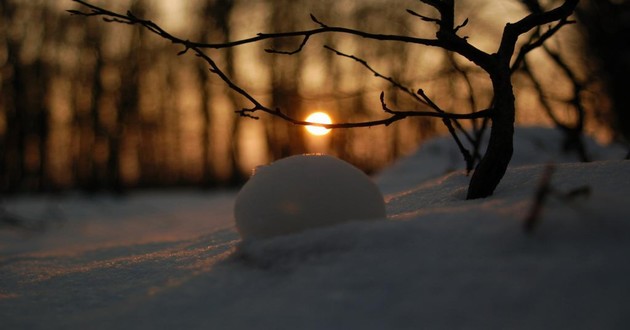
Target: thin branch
475	138
573	132
391	80
444	115
546	190
512	31
130	19
422	98
469	86
197	48
297	50
542	192
537	40
429	101
540	92
457	28
324	29
444	40
449	125
424	18
314	19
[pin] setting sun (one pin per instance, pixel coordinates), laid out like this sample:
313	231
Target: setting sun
321	118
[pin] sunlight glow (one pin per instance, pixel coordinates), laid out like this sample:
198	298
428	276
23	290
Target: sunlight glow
321	118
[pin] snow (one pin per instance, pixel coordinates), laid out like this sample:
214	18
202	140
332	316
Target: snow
303	192
533	145
175	260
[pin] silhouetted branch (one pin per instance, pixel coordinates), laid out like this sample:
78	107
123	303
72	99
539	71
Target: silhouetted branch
492	166
461	26
424	18
314	19
513	30
130	19
453	43
542	191
421	97
297	50
377	74
572	131
257	106
443	115
546	190
537	40
478	130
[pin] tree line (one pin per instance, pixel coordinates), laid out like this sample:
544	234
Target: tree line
93	106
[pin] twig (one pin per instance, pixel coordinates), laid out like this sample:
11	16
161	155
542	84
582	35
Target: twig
391	80
512	31
461	26
196	47
536	40
421	97
424	18
297	50
542	192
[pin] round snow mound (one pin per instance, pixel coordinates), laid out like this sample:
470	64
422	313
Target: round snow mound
306	191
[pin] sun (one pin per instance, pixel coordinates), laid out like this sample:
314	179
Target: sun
321	118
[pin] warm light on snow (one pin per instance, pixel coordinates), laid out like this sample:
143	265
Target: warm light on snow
320	118
302	192
173	259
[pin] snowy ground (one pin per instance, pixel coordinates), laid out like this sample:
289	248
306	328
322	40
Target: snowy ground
174	260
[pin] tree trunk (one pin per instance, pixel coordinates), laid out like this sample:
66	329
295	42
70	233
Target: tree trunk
607	29
494	163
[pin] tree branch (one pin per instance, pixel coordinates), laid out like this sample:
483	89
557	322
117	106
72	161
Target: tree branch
197	48
297	50
421	97
513	31
538	40
424	18
446	8
377	74
129	18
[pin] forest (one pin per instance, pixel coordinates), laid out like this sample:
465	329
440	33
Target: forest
107	107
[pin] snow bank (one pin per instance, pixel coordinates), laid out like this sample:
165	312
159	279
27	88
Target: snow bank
448	263
532	145
437	262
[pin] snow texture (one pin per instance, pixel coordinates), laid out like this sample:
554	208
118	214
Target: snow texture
303	192
175	260
532	145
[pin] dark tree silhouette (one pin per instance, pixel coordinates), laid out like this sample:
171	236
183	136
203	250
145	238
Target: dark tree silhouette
572	129
498	66
607	24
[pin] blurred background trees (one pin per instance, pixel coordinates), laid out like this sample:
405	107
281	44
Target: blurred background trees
606	24
106	107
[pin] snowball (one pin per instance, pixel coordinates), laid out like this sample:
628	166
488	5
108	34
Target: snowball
302	192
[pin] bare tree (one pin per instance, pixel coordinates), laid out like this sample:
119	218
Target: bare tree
23	153
498	66
572	129
606	26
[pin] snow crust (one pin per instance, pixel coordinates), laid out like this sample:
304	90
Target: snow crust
303	192
532	145
437	261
